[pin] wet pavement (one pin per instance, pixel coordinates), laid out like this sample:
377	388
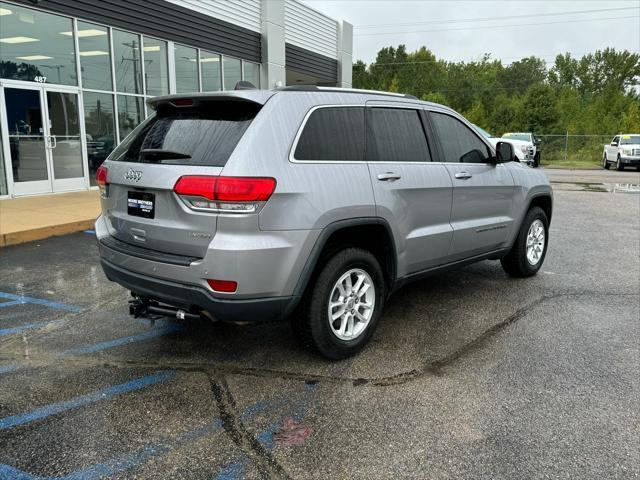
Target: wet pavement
470	374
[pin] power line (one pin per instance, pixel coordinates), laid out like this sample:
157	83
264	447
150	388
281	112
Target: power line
496	26
486	19
375	64
490	59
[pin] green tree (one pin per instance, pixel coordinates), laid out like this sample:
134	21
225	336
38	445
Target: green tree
594	94
435	97
538	112
478	114
631	119
522	74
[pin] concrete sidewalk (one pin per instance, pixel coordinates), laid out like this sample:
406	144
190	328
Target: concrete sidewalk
33	218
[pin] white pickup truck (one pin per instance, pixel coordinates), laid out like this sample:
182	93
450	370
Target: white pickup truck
524	149
624	151
532	155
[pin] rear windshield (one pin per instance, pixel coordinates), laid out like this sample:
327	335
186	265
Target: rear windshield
205	135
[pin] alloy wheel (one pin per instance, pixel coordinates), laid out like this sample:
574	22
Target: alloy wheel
351	304
535	242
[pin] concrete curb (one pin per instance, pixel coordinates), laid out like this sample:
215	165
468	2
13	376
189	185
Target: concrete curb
15	238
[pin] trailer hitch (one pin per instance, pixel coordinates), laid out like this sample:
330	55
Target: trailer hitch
141	307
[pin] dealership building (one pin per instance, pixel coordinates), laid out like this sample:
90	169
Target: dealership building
74	75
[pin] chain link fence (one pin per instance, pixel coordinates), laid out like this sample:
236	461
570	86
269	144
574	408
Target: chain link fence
564	149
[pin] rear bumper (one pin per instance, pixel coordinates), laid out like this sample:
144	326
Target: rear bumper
193	298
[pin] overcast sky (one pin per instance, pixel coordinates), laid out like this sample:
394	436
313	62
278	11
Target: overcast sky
615	26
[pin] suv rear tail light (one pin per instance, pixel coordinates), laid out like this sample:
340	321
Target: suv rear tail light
232	194
102	174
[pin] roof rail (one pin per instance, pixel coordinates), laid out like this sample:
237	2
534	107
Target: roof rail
316	88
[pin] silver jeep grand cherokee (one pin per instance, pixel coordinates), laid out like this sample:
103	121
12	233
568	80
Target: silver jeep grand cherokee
309	203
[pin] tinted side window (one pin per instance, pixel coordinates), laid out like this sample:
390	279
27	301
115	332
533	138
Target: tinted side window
395	135
333	134
459	143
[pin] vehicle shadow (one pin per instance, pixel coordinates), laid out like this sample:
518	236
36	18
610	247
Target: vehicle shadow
423	324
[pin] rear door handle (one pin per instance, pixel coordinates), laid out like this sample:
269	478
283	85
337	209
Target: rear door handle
463	175
388	177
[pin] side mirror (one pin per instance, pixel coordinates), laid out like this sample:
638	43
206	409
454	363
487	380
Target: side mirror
614	144
504	152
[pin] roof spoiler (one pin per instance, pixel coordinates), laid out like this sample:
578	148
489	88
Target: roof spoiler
244	85
259	97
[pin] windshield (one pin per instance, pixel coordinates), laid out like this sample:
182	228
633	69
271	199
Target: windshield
483	132
205	135
630	140
526	137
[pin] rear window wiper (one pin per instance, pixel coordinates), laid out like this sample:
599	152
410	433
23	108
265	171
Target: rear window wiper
157	154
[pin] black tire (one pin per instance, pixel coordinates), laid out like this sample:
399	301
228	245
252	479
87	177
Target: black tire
313	328
536	160
619	164
515	263
606	165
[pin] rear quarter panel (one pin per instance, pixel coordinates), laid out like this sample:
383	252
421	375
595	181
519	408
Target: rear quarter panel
308	195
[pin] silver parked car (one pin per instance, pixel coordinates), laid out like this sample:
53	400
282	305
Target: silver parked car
310	203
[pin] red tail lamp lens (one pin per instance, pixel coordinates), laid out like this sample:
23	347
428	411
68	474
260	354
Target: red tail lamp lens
226	286
226	189
199	186
183	102
101	176
242	189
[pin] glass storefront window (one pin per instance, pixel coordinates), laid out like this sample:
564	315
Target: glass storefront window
211	74
232	72
156	71
126	52
95	60
186	69
100	127
36	46
130	114
251	73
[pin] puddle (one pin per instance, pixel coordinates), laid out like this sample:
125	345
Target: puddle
626	188
597	187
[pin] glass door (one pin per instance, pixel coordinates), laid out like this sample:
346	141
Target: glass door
26	140
65	141
45	145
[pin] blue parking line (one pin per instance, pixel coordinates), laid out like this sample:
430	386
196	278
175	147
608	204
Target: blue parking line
10	303
20	299
234	470
12	367
97	347
21	328
90	232
113	466
83	400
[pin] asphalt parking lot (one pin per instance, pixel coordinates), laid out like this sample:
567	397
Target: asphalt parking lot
469	375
